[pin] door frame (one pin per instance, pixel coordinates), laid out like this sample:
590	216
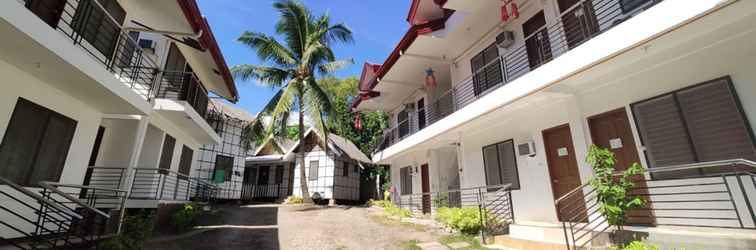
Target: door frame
425	188
622	110
548	164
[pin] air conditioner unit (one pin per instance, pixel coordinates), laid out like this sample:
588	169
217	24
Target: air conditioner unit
505	39
147	44
527	149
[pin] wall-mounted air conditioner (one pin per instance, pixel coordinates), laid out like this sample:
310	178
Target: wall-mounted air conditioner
147	44
527	149
505	39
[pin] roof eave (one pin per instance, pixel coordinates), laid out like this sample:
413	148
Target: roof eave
199	23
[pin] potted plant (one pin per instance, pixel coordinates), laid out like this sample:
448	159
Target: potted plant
613	191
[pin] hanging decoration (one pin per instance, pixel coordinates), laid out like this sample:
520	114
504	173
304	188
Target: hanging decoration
430	78
505	14
357	121
504	11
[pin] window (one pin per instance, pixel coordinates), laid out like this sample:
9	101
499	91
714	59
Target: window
696	124
345	169
402	119
185	163
486	69
263	175
630	5
166	157
313	175
223	166
279	174
501	164
94	25
405	174
35	145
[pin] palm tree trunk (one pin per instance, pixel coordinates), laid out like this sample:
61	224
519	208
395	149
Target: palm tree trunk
301	155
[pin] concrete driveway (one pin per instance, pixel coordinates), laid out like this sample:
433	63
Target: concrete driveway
293	227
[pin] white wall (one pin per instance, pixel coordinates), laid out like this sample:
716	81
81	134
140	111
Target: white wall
324	183
19	84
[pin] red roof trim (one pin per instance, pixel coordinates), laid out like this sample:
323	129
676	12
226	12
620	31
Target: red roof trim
199	23
415	6
404	44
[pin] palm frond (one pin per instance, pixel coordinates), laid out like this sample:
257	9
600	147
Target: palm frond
268	48
253	133
268	76
293	24
331	67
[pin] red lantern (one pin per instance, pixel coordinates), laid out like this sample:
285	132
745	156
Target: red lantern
504	12
357	121
515	11
430	78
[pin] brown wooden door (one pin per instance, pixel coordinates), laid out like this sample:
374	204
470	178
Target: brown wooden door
47	10
578	22
563	169
537	41
426	188
611	130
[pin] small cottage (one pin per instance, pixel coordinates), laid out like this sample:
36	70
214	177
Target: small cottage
272	173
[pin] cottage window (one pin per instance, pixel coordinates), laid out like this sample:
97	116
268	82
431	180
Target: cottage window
630	5
697	124
403	122
35	145
313	176
345	169
501	164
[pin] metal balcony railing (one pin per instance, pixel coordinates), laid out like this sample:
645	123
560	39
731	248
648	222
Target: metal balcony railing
269	191
717	194
184	86
578	24
90	27
153	183
494	203
60	216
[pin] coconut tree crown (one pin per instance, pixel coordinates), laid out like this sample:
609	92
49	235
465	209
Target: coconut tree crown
292	65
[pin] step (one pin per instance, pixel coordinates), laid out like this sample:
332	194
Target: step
546	235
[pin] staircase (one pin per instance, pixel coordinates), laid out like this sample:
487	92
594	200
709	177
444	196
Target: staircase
57	216
707	205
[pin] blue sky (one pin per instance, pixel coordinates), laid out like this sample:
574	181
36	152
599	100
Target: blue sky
377	25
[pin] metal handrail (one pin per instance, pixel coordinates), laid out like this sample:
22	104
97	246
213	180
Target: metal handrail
698	165
40	199
54	188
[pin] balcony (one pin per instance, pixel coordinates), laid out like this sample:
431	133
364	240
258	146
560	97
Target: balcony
184	86
151	184
575	26
87	25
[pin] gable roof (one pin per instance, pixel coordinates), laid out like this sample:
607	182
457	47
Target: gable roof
337	143
207	40
283	145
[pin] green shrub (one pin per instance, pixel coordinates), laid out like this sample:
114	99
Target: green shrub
465	220
294	200
380	203
393	210
637	245
186	217
135	230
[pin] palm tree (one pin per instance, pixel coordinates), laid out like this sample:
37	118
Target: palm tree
292	66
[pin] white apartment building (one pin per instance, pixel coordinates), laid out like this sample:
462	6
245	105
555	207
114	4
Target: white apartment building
519	98
108	94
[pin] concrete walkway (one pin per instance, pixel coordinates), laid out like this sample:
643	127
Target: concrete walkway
294	227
